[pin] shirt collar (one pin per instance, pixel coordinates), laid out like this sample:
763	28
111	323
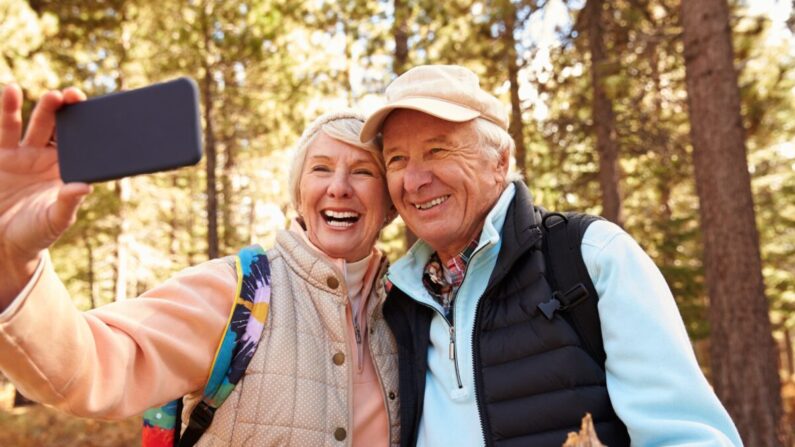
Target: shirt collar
408	269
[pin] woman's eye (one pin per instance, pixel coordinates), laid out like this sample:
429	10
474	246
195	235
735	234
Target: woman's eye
320	168
363	172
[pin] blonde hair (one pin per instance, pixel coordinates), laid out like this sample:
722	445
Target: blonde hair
344	126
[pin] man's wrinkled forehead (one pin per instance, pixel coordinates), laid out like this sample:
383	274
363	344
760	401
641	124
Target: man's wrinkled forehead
421	128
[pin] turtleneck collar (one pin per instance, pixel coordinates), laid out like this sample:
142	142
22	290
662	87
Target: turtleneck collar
357	275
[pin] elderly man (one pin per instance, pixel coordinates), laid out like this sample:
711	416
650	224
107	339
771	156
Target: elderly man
482	360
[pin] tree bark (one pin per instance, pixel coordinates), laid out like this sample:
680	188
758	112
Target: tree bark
123	186
91	276
399	65
173	242
789	354
401	36
123	193
604	120
209	143
516	128
229	226
744	357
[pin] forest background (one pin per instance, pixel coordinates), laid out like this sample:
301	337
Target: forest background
598	93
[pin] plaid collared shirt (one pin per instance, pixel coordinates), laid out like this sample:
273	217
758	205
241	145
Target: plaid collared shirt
443	282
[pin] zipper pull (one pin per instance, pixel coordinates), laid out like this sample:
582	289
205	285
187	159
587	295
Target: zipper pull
357	333
452	343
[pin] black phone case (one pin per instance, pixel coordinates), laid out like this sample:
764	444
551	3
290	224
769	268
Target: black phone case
151	129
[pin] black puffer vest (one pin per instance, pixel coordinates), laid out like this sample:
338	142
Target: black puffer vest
533	379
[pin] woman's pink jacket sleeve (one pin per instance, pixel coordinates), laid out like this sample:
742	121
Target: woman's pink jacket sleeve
122	358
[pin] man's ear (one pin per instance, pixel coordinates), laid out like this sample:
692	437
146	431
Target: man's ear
503	165
504	162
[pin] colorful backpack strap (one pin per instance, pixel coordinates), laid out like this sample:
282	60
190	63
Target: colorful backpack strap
235	351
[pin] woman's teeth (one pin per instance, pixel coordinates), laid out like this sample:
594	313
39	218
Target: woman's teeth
431	203
340	219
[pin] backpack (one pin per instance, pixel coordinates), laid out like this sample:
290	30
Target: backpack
161	425
571	284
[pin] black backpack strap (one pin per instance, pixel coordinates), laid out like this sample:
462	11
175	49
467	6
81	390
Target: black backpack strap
200	419
574	295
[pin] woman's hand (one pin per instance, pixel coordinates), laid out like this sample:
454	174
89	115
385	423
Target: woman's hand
36	207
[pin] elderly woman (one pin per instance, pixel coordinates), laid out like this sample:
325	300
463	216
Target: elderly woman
324	370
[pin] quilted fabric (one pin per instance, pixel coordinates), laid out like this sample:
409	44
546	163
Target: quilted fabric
293	393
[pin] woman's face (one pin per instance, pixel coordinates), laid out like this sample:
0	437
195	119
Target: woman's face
343	198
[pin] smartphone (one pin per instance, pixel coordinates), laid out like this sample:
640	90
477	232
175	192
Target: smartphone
150	129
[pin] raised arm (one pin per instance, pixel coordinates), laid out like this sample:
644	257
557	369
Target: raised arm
36	207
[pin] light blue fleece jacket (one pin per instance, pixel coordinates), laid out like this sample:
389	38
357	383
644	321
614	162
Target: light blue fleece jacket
653	379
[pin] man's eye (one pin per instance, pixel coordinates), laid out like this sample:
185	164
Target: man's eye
437	150
395	159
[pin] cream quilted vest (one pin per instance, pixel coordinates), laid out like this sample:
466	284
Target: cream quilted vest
294	392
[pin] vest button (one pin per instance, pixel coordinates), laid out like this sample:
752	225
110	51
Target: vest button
392	395
340	434
332	282
338	358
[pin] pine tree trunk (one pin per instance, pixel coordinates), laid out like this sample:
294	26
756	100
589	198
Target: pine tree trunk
744	357
516	128
229	226
789	354
173	222
91	276
604	120
399	65
123	193
209	144
401	36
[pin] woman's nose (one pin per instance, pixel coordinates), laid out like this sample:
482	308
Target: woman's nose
340	185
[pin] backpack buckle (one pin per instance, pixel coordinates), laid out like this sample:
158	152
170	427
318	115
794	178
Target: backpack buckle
563	301
202	416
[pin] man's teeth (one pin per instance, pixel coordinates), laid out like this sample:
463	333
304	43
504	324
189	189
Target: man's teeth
431	204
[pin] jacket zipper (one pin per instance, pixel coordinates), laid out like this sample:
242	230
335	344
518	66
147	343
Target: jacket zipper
478	374
357	333
451	350
476	360
451	347
453	355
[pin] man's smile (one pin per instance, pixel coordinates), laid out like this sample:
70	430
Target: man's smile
431	203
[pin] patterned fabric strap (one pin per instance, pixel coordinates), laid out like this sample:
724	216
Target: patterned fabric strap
237	347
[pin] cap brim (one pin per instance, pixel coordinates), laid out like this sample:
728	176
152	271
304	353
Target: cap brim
440	109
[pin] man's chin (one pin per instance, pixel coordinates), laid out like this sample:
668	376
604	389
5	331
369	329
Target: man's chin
435	238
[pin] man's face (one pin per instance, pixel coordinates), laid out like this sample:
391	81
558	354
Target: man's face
441	181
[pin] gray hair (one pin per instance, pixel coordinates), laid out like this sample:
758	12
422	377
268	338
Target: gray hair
495	141
343	126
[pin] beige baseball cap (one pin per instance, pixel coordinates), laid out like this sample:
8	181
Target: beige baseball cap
449	92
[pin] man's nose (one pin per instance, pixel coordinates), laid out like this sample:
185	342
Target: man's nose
416	176
340	185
